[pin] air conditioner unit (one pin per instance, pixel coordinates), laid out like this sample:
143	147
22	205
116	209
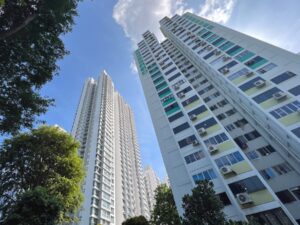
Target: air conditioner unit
259	83
181	95
225	70
193	117
202	131
244	198
195	142
217	52
226	58
226	170
209	47
279	95
249	74
203	43
212	149
176	87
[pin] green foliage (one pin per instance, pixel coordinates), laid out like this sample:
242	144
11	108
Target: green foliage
45	157
203	207
165	212
34	207
30	45
139	220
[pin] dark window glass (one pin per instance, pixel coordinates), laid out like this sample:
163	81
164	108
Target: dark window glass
175	116
228	66
266	150
181	127
160	86
256	62
220	40
167	90
266	95
187	141
174	77
184	91
207	123
170	107
251	184
297	132
170	71
250	84
295	90
296	191
156	75
283	77
234	50
198	110
271	217
209	55
190	100
285	196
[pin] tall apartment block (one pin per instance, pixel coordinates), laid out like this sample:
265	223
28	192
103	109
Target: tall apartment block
151	183
225	108
114	186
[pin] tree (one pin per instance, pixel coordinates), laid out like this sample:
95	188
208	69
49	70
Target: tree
30	45
139	220
45	157
203	207
164	212
34	207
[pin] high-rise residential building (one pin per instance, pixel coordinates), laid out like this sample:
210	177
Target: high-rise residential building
151	183
226	108
104	125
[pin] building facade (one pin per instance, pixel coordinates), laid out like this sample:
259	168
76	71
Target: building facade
114	186
225	107
151	183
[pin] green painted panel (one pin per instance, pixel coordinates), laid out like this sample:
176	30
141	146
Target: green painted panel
201	116
290	119
192	105
165	94
271	102
236	51
158	88
261	197
258	64
253	90
173	110
169	101
225	146
239	79
241	167
213	129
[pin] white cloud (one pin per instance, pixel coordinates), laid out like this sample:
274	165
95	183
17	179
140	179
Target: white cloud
217	10
133	67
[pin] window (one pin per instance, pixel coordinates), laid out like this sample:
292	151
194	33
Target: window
266	150
172	108
190	100
256	62
239	73
266	68
271	217
227	66
295	90
161	86
164	92
251	184
283	77
194	157
207	123
187	141
224	198
236	49
221	116
268	173
209	55
245	55
230	112
286	110
297	132
282	168
266	95
252	135
217	60
230	127
206	34
167	100
215	140
212	38
250	84
226	45
174	77
285	196
158	80
180	128
241	123
218	41
198	110
296	191
229	159
175	116
157	74
170	71
205	175
252	155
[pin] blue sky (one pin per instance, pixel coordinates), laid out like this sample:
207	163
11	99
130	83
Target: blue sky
105	35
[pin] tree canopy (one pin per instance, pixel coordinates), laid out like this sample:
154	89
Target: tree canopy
45	157
30	45
164	212
138	220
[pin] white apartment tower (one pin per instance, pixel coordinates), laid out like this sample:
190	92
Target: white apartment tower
114	186
151	183
226	108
